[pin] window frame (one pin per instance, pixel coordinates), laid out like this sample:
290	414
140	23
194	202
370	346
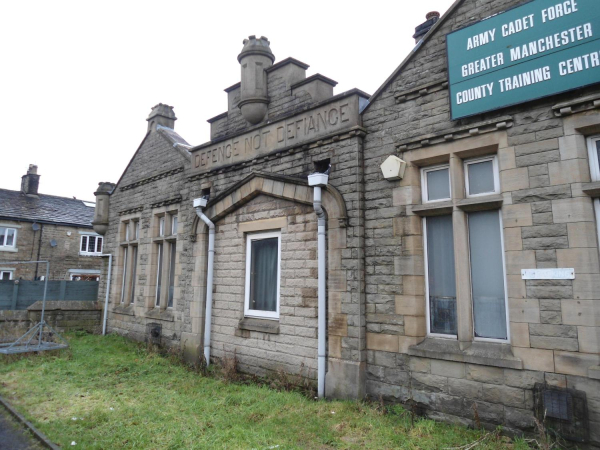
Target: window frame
425	187
494	159
506	304
11	274
87	243
14	244
593	157
271	315
427	306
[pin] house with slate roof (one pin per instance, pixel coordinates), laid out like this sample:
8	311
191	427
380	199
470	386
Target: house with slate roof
40	227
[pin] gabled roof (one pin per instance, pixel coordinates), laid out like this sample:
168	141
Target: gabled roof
15	205
411	55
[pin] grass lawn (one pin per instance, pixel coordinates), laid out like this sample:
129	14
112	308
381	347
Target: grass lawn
107	393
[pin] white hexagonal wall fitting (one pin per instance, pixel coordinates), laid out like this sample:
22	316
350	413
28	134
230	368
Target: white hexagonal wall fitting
393	168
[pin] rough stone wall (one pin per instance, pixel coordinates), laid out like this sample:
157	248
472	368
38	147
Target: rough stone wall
548	222
294	348
155	176
63	257
282	103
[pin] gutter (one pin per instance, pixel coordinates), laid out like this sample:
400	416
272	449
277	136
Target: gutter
319	180
199	204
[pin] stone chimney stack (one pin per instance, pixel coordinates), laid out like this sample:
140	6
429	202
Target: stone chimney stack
31	181
430	20
161	114
100	222
255	58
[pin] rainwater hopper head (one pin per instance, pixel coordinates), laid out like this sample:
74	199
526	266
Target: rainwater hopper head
255	58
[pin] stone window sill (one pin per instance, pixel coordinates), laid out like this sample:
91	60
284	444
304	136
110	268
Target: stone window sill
125	310
480	203
433	209
9	249
591	189
262	325
160	314
483	353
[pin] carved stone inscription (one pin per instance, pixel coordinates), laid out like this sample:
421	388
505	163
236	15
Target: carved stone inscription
319	122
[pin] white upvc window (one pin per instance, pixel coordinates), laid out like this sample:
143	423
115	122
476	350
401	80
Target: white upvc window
482	176
436	183
263	273
91	245
8	237
6	275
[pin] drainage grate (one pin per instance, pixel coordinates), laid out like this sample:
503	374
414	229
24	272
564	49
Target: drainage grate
153	333
563	411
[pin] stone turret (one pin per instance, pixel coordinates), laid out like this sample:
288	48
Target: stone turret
161	114
100	222
255	58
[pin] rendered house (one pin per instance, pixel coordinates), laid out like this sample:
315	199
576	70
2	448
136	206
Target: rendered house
458	269
35	226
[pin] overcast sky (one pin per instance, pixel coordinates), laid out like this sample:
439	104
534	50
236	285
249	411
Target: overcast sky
79	77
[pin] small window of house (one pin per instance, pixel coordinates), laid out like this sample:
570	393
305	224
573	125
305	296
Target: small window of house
8	237
159	271
161	226
127	230
594	157
263	261
481	177
91	245
436	183
136	226
174	225
6	275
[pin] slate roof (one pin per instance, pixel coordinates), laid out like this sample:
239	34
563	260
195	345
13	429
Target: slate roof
45	209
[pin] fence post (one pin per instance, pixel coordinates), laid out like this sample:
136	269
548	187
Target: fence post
15	295
63	288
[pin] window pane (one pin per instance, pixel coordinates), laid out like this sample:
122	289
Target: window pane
127	231
137	229
83	243
133	273
10	237
442	282
124	284
91	244
438	184
174	227
481	177
99	245
159	274
487	275
598	149
5	276
263	274
171	275
2	233
161	226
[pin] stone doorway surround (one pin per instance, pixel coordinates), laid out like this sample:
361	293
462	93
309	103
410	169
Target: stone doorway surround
345	377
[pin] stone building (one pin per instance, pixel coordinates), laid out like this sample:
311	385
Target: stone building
41	227
461	225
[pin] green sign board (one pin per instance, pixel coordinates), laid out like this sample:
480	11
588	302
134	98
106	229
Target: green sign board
538	49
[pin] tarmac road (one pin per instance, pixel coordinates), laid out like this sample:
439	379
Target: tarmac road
13	436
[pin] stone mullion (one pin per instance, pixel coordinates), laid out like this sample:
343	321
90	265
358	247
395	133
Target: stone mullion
464	309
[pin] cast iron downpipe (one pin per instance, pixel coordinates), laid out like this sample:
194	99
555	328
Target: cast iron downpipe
107	292
319	180
200	203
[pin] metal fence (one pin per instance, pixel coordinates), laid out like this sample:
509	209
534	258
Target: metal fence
21	294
